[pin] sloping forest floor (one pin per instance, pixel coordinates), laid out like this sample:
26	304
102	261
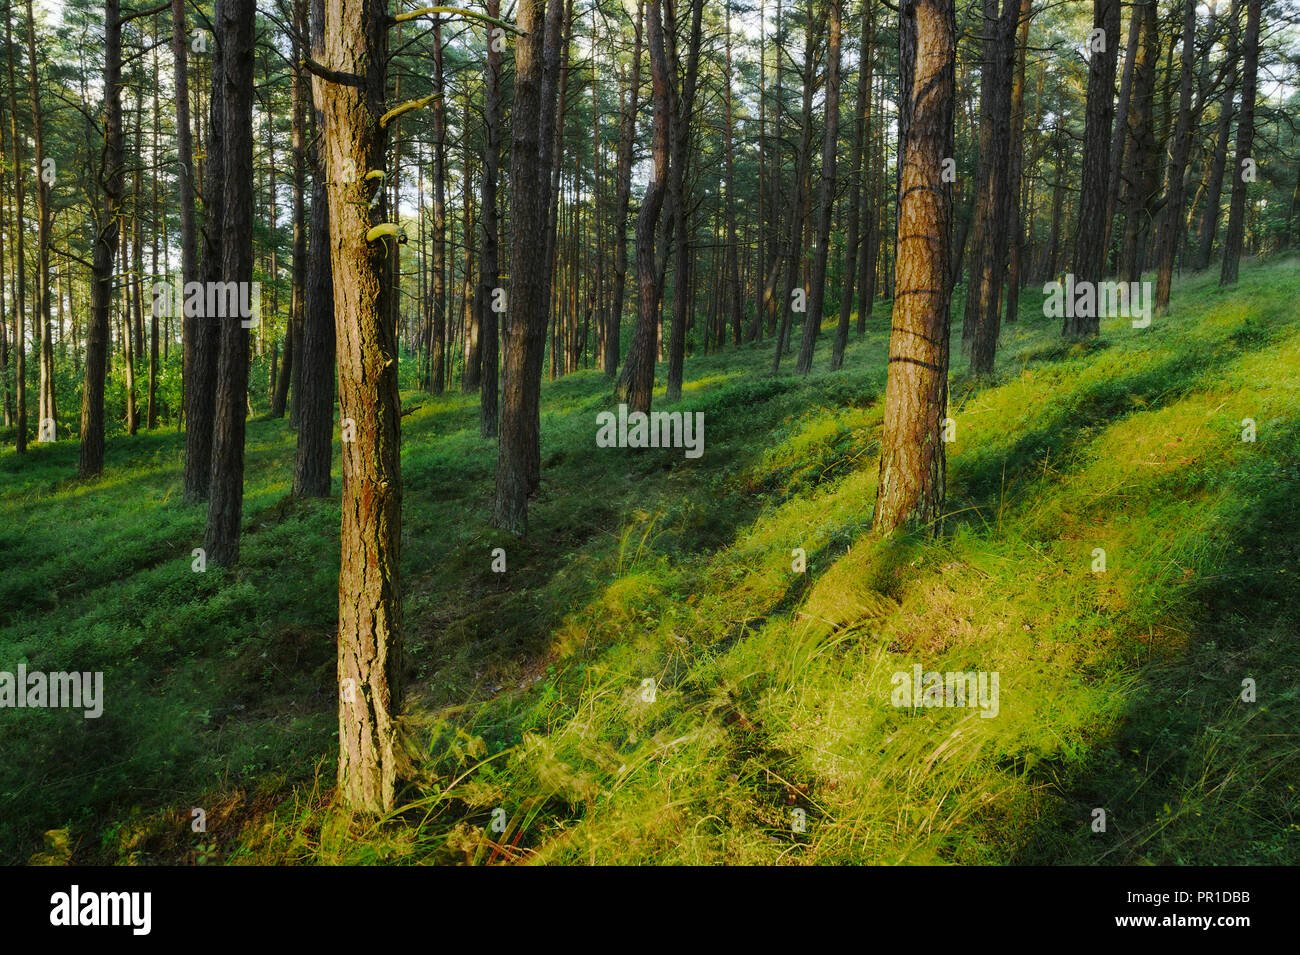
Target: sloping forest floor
527	706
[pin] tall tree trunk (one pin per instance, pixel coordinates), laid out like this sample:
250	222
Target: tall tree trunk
19	248
734	305
683	116
1172	230
627	132
990	269
792	254
526	312
861	125
636	383
1232	244
1120	135
489	269
234	20
201	396
1089	250
1210	215
315	394
47	416
370	610
910	491
185	188
437	374
1015	217
1138	166
90	459
826	199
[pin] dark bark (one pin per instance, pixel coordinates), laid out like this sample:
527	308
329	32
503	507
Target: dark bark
1232	243
226	485
91	454
314	399
489	269
636	383
1182	145
1089	247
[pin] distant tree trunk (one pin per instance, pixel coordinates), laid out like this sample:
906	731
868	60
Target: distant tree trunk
370	607
733	264
861	125
1182	146
1210	215
201	397
1138	166
315	395
990	270
526	312
1232	244
791	255
437	374
826	200
1015	219
91	454
18	246
45	402
226	486
298	93
683	114
636	383
1120	135
489	269
1089	250
910	491
627	131
185	186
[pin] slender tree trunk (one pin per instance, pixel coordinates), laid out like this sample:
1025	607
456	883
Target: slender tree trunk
47	415
489	269
315	394
201	396
1089	250
1232	244
683	116
1015	217
90	460
989	270
1138	166
226	486
826	200
185	189
437	375
1210	215
861	125
627	131
1182	145
526	312
791	255
18	246
636	383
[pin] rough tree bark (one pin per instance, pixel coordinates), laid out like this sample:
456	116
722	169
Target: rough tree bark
226	485
1232	243
315	396
1089	247
910	491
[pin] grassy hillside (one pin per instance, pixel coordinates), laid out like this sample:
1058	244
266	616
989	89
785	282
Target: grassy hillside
1119	690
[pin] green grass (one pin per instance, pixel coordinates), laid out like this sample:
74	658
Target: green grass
1119	690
